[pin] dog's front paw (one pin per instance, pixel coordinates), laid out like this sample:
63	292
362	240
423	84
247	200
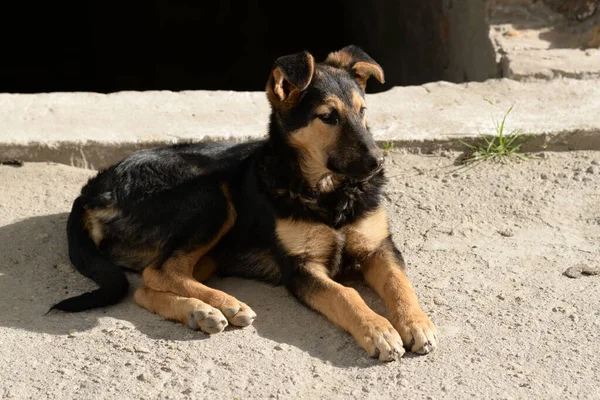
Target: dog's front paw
239	314
418	333
207	319
379	338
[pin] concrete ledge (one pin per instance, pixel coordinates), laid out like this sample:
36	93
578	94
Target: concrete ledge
94	130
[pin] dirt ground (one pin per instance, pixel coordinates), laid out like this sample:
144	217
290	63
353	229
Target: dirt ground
486	250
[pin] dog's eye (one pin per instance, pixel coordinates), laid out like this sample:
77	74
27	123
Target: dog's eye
363	111
331	118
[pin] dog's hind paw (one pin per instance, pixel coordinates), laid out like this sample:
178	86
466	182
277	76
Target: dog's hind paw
207	320
239	314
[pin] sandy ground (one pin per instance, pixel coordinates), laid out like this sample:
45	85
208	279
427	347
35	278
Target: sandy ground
486	250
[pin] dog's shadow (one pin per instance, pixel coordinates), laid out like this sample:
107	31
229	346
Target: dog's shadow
35	273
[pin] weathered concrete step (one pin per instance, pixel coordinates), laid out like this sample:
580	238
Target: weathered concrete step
93	130
546	39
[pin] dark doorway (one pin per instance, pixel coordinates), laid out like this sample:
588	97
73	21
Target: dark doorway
107	46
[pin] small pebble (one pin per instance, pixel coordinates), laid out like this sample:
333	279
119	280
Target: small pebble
140	349
278	348
544	176
590	170
438	301
579	270
142	378
573	317
425	207
506	232
594	162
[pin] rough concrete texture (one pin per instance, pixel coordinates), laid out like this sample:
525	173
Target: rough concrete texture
94	130
486	250
533	41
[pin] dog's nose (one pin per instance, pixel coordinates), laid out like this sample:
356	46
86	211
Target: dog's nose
372	163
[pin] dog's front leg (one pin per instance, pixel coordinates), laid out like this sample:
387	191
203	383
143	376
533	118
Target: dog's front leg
384	272
369	241
344	307
310	251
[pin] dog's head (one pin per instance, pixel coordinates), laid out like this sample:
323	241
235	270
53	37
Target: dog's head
320	111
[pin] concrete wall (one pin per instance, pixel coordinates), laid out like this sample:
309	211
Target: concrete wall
94	130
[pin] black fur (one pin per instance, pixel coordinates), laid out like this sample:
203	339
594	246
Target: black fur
171	200
297	68
84	255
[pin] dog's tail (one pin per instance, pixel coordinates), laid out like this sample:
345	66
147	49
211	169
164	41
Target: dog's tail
86	258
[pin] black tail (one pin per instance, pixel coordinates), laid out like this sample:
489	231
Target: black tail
84	255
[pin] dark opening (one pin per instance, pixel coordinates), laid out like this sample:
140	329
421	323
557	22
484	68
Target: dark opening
105	46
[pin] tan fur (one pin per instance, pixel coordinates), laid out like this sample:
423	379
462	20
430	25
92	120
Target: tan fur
179	268
366	235
282	94
364	70
391	283
176	276
313	240
278	78
168	305
340	304
340	59
313	143
329	104
94	220
344	307
193	312
205	268
358	101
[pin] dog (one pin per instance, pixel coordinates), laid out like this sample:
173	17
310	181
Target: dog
301	208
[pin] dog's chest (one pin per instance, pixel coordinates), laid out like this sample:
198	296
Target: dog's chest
320	243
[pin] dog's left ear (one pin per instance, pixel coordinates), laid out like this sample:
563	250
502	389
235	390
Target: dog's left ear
289	77
358	63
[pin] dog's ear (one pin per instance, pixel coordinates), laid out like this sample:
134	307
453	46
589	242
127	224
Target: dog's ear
289	77
358	63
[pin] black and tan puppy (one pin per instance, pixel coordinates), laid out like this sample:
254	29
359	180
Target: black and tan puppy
300	208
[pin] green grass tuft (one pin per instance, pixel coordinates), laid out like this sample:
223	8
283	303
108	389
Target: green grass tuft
500	147
388	146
